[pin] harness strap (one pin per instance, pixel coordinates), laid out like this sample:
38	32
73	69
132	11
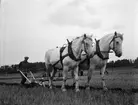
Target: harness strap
70	53
98	52
61	57
55	63
115	36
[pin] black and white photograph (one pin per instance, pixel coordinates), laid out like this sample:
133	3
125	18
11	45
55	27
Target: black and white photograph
68	52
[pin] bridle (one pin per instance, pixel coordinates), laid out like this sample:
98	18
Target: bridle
99	53
85	46
113	40
71	50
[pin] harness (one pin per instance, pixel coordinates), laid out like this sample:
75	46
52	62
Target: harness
98	52
70	54
61	57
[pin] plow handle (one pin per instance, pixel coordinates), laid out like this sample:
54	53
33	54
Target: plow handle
24	75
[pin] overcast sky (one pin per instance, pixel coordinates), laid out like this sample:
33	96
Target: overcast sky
31	27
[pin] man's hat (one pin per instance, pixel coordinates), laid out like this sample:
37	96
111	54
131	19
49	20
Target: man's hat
26	57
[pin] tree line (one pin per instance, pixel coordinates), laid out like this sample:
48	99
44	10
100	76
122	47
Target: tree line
123	63
34	67
40	66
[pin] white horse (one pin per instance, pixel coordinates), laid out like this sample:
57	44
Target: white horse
68	58
103	46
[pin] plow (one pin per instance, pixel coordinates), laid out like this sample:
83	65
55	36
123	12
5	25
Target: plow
33	80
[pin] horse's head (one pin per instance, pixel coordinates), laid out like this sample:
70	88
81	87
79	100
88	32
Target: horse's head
116	44
88	44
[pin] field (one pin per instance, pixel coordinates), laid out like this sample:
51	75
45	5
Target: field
121	82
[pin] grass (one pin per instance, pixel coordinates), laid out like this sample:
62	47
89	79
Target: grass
122	84
16	95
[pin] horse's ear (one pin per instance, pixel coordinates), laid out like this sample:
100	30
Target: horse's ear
115	33
68	41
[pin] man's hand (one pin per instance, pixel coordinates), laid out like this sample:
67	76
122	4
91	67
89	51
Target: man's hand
18	69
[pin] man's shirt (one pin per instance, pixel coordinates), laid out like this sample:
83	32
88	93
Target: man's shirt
24	66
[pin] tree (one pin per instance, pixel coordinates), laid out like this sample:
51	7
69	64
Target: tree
136	62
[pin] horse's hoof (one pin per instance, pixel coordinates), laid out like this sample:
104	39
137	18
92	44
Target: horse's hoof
64	90
77	90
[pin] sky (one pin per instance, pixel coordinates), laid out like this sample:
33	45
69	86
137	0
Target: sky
31	27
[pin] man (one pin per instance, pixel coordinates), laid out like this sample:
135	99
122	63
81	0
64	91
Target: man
23	66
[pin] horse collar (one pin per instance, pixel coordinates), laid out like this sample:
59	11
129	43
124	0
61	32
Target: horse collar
70	53
98	52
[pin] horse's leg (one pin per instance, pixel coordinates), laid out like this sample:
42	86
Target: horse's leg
54	70
53	73
65	70
49	72
76	79
104	72
102	77
90	71
73	76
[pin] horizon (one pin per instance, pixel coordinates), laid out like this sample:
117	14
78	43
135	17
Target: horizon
109	61
31	27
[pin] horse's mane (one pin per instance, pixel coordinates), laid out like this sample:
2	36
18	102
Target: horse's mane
118	35
76	38
88	36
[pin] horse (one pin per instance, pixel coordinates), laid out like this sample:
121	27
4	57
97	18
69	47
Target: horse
68	58
102	48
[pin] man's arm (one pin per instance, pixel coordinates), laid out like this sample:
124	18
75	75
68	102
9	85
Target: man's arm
20	64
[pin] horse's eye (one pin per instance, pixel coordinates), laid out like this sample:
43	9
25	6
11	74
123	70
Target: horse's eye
117	42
